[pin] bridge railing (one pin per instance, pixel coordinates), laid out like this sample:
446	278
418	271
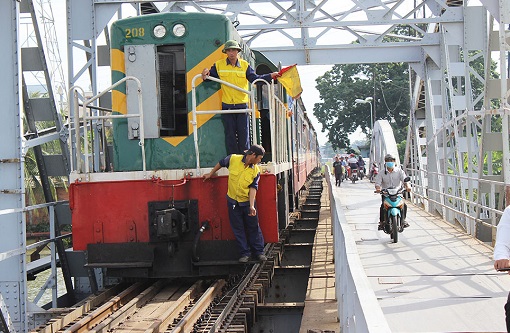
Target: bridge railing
358	307
23	249
468	213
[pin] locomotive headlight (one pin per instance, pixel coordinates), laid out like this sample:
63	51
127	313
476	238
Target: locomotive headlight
179	30
159	31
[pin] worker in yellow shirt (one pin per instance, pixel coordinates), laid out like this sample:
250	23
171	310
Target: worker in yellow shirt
239	73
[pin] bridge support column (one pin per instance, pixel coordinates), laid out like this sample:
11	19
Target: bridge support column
12	201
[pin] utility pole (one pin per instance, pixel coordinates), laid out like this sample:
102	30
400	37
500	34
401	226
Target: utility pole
374	74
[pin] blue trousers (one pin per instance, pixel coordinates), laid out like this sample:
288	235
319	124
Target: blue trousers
246	229
237	129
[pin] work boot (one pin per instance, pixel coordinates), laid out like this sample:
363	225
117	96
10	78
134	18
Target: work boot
380	227
244	259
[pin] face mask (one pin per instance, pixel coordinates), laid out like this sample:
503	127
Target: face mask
390	165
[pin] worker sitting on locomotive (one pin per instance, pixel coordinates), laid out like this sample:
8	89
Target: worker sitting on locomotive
243	180
237	72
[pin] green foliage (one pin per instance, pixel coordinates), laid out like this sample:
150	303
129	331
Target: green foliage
340	115
39	227
401	147
496	163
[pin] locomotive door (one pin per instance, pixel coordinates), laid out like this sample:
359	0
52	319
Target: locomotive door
140	62
162	72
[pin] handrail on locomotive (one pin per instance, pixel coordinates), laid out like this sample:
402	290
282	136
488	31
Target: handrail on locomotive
277	120
92	119
273	100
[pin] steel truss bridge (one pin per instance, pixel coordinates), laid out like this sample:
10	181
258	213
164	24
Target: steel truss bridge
457	151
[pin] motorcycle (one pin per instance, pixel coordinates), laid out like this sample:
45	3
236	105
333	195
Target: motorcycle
373	173
393	201
354	175
361	173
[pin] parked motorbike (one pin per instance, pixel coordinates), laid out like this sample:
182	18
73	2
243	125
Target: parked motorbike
393	206
373	172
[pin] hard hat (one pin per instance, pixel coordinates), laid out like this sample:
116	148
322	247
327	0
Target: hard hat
389	157
231	44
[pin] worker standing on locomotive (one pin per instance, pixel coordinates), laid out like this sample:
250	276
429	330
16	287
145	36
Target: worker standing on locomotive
239	73
243	181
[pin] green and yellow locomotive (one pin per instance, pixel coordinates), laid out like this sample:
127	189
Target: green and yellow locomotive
139	205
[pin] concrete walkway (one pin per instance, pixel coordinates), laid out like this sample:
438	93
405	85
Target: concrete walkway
435	279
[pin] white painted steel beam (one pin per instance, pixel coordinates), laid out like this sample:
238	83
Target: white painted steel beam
12	193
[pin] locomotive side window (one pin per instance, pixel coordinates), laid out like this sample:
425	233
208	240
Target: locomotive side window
172	90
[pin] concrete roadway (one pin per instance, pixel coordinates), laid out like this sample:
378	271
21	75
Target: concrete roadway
435	279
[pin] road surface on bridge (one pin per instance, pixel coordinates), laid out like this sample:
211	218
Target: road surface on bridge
435	279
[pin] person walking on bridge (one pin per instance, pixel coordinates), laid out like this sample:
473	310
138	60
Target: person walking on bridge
502	254
338	170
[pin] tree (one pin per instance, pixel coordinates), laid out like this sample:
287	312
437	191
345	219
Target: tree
388	84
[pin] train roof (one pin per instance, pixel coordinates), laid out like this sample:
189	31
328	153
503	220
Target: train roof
260	58
184	15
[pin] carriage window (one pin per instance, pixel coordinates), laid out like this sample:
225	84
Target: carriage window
172	90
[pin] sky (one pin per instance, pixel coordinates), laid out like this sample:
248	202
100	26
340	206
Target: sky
310	95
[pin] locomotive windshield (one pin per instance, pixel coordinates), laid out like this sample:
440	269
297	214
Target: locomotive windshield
172	90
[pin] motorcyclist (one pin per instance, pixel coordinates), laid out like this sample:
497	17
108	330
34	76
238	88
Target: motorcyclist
353	163
361	164
392	177
344	165
374	170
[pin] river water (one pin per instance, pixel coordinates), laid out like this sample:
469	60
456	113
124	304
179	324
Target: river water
34	286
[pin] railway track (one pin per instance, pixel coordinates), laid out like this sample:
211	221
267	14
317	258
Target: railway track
172	306
232	304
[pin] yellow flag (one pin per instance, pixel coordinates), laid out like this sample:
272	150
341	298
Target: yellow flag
290	81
